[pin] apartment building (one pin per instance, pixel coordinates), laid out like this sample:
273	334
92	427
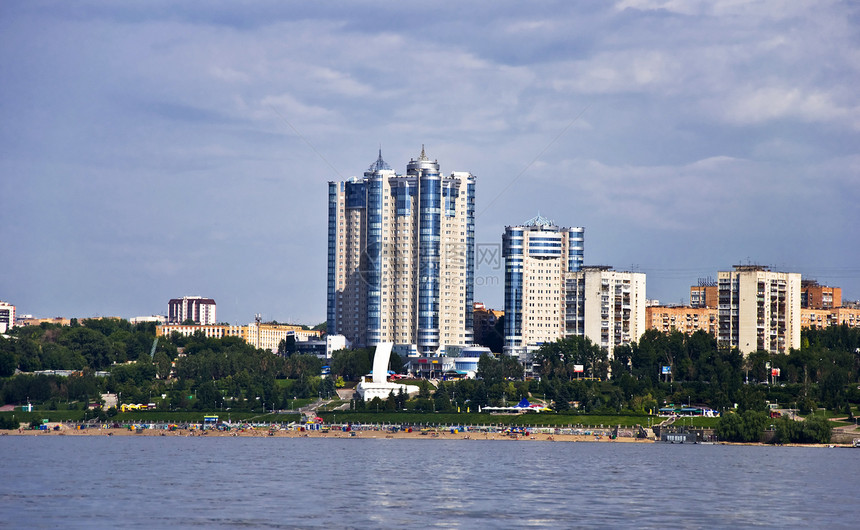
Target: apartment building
759	309
815	296
200	310
539	255
7	316
705	294
666	319
605	305
824	318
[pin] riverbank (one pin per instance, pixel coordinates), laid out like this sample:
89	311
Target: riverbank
361	434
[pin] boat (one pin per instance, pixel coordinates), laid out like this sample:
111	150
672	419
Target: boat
856	442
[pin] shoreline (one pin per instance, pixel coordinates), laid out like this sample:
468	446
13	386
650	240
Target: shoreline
360	434
375	434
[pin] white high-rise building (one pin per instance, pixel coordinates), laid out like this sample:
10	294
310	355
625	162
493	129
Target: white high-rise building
759	309
606	306
539	256
200	310
7	316
401	256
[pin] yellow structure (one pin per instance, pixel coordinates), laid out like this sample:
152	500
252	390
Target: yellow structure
38	321
824	318
263	336
682	318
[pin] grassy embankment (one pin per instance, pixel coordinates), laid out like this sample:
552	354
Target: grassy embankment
440	418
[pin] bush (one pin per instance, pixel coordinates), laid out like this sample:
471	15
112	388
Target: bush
746	427
8	423
814	429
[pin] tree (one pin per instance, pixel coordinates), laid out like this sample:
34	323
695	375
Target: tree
490	369
328	388
208	396
745	427
7	361
162	365
558	359
442	398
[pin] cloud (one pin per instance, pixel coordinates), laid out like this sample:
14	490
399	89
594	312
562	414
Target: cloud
707	132
761	104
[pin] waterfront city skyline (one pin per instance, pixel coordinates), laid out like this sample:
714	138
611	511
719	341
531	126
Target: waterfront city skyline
154	150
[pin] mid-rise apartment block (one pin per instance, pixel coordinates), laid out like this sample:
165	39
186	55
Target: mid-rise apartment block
815	296
401	254
539	255
759	309
824	318
666	319
705	294
196	308
605	305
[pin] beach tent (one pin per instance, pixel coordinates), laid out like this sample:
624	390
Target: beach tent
524	404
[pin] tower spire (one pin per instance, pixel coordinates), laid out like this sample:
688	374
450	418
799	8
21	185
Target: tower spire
379	164
423	156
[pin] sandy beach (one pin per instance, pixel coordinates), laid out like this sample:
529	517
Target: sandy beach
294	433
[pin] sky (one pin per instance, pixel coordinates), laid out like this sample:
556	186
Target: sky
151	150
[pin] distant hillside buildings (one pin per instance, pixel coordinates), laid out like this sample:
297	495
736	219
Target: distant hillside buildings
196	308
753	308
262	335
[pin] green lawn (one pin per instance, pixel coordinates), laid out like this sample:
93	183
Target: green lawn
542	419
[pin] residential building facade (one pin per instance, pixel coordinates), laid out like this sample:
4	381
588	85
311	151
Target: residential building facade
605	305
539	255
7	316
200	310
401	256
824	318
705	294
815	296
759	309
259	335
666	319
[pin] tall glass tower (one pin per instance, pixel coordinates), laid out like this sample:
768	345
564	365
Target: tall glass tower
539	255
401	256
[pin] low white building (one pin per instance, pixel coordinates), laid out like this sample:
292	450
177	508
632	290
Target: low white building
158	319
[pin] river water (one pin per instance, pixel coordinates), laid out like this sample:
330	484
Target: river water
157	482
